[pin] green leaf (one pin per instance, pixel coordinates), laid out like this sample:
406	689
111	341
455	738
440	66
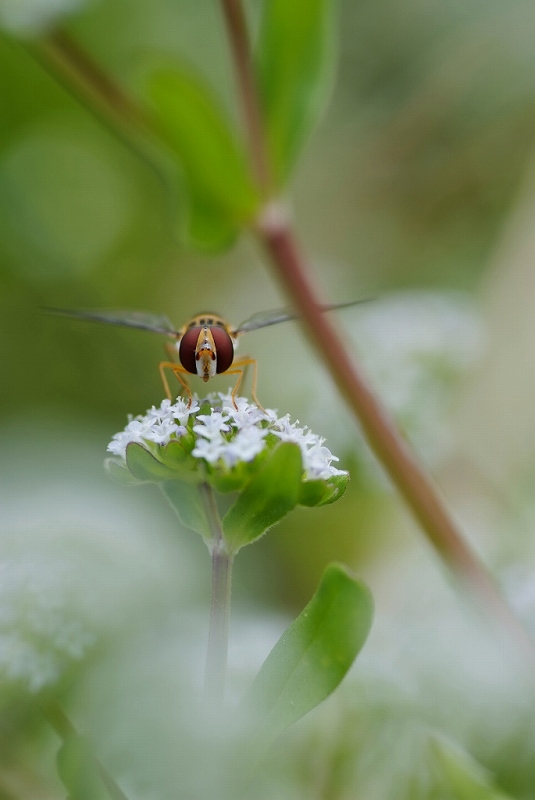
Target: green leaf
144	466
320	492
119	472
295	64
78	770
181	463
186	501
314	653
271	494
461	775
314	493
220	190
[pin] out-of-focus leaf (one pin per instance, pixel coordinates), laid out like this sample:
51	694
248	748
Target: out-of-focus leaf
187	502
144	466
119	472
295	63
220	190
461	775
271	495
78	771
314	653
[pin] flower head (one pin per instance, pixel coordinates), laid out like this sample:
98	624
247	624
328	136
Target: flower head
214	439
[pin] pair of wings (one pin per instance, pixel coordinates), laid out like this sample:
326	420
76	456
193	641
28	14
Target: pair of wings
161	324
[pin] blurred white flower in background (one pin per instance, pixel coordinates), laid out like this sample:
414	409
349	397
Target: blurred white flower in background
415	348
32	16
80	559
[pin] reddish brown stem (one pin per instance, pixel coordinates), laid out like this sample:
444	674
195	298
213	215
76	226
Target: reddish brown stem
420	493
414	484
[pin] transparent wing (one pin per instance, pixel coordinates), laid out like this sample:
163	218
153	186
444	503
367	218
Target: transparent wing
265	318
127	319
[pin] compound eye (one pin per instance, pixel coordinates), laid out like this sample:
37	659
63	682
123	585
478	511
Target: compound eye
224	349
186	350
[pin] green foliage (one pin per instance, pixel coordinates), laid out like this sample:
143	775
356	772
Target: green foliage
295	64
314	653
271	494
144	466
321	493
120	472
78	770
221	195
187	502
463	777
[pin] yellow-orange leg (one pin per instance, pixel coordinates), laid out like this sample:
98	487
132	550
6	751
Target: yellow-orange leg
238	370
177	371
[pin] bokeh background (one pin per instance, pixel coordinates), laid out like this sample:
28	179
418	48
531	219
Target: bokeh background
417	190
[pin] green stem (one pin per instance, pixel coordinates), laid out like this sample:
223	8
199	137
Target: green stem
74	69
63	726
222	560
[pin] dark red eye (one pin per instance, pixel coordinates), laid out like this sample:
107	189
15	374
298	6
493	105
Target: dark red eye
224	349
186	352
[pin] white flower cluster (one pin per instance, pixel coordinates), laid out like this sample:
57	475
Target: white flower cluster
40	632
158	425
227	435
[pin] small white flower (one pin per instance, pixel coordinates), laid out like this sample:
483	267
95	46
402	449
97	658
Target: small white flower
247	443
213	425
317	462
291	432
209	449
182	412
245	414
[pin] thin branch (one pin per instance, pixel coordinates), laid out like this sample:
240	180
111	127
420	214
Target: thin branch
91	78
63	726
241	53
74	69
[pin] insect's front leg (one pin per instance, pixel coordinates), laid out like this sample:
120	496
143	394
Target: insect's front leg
178	371
238	369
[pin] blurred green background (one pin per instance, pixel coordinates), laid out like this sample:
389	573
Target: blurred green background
417	189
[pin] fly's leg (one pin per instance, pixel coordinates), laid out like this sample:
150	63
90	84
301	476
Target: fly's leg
177	371
238	370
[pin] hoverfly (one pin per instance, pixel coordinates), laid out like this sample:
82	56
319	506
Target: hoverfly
204	345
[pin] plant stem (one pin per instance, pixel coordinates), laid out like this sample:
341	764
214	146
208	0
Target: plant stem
274	231
63	726
252	113
66	60
222	560
91	80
